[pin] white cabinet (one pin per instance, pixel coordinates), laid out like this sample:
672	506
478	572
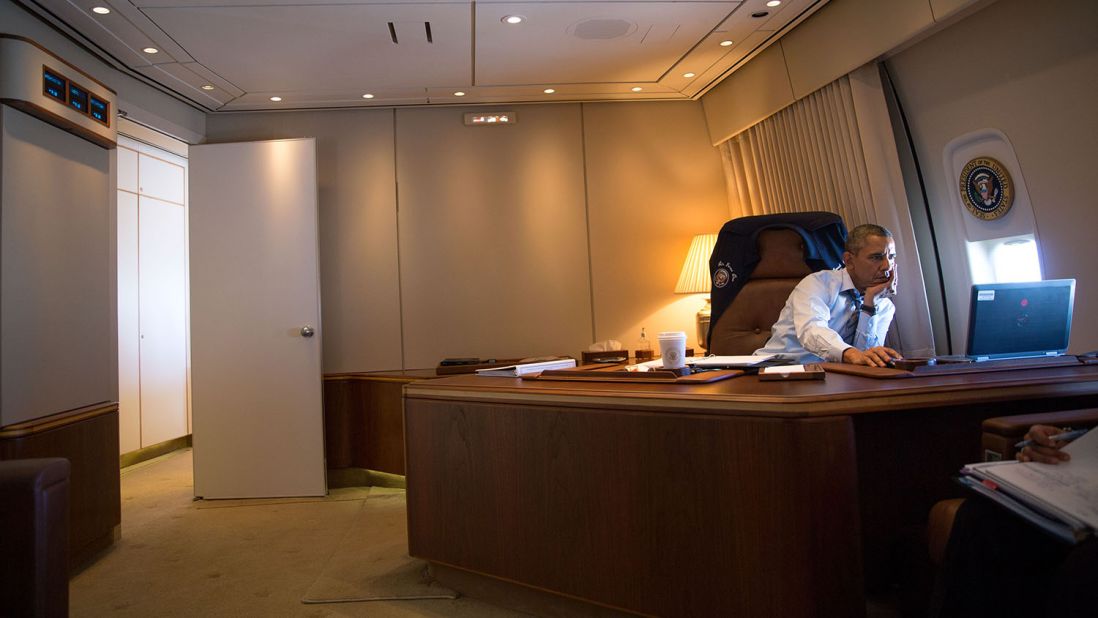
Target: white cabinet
152	296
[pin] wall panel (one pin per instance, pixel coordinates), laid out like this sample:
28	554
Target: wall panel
493	237
653	183
493	226
360	294
58	302
758	89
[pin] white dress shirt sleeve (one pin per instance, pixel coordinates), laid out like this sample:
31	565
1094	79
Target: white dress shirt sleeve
811	302
872	329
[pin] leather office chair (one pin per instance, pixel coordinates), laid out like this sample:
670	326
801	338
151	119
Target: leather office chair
782	250
34	537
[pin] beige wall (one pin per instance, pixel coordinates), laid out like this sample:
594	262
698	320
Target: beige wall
652	183
1038	88
439	239
57	306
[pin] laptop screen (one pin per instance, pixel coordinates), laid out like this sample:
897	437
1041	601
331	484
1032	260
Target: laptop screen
1017	320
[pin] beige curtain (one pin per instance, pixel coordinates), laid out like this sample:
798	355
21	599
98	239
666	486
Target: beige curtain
834	151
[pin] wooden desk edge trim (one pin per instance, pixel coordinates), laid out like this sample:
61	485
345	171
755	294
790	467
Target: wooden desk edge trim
366	377
777	406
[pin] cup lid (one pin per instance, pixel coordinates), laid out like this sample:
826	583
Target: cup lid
672	334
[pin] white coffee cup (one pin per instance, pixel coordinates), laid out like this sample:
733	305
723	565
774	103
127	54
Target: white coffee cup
673	349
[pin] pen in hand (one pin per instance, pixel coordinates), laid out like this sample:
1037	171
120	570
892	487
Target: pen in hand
1067	436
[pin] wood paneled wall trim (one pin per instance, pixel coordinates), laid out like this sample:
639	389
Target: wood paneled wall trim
61	419
363	419
88	438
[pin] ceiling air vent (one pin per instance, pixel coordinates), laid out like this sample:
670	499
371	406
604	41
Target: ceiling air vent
602	28
409	30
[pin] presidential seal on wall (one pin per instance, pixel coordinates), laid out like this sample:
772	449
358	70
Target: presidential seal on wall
986	188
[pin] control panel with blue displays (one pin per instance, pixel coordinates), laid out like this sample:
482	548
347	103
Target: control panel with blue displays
99	109
40	83
67	92
78	98
53	85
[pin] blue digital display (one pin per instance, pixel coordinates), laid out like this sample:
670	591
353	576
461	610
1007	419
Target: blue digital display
53	85
100	110
78	98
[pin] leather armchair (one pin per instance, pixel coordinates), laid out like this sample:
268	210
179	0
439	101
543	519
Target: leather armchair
745	326
34	537
756	263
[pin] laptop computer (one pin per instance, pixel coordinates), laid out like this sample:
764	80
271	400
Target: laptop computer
1020	320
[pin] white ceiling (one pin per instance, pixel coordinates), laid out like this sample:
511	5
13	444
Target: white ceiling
329	53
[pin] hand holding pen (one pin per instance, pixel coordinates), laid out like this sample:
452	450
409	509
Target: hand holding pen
1043	442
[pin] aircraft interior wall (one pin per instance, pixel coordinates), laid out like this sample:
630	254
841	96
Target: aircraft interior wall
575	220
1038	90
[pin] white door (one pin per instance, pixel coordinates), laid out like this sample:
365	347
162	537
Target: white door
163	306
255	374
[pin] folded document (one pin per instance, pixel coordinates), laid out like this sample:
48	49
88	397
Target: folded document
1062	499
522	369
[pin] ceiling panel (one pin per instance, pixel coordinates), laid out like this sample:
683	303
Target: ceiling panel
572	43
328	53
305	48
344	98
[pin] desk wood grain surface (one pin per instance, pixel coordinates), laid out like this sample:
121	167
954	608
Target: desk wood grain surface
734	498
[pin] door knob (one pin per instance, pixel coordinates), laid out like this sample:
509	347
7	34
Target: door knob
307	331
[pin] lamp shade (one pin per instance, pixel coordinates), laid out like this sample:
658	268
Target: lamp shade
694	278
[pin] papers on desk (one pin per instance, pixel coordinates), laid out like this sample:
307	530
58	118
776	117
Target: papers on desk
1062	499
522	369
730	362
716	362
792	372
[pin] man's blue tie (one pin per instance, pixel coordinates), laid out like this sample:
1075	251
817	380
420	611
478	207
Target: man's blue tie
850	327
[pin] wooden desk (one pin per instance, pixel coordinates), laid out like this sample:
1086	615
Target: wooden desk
735	498
363	423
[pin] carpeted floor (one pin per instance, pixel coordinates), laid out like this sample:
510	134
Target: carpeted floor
178	557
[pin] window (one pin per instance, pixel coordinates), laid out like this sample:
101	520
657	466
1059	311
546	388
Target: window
1004	260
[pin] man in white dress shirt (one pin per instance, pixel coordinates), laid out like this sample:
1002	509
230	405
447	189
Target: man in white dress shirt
843	315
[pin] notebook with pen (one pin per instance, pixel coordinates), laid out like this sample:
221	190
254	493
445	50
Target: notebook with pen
1061	499
1020	320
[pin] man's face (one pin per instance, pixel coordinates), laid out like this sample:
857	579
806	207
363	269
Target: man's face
873	263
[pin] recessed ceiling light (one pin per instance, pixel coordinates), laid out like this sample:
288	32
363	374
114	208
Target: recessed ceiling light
773	3
207	87
151	50
548	91
688	75
760	14
367	96
102	10
726	43
637	88
513	19
276	99
459	94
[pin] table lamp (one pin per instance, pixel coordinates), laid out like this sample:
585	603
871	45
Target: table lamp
694	279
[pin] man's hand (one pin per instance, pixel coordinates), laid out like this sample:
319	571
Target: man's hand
879	356
884	288
1043	449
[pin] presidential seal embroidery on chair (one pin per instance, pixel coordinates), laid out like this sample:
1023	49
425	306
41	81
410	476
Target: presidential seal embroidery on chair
986	188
